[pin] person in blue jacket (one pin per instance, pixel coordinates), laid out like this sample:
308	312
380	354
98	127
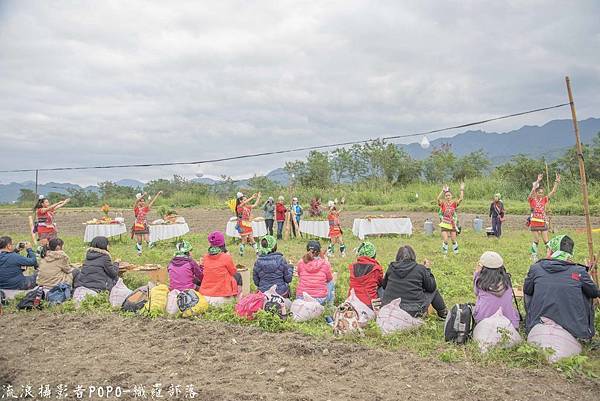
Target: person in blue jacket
296	214
12	266
271	268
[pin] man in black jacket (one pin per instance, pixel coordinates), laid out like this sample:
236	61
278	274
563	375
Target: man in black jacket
413	283
561	290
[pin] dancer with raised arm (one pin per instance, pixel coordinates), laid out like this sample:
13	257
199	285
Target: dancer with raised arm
243	210
538	220
449	217
140	229
44	213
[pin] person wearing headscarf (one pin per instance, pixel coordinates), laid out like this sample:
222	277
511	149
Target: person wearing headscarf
271	268
221	281
557	288
243	210
366	275
269	214
497	215
99	272
184	272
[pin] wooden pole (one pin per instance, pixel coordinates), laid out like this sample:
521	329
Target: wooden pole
584	188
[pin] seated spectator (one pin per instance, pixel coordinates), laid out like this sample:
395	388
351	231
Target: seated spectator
54	266
366	275
184	272
314	274
493	289
221	282
271	268
559	289
98	272
413	283
12	266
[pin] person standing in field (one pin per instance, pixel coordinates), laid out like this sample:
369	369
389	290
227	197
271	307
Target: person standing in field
269	214
497	215
44	213
280	211
296	213
538	220
140	229
243	210
335	230
449	217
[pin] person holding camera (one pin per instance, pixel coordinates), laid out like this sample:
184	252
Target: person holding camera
12	265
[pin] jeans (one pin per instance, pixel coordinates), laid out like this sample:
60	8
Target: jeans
330	294
497	226
269	223
280	229
294	228
29	282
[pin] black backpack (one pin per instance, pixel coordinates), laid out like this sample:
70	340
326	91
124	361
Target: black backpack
275	304
459	324
3	299
136	300
28	302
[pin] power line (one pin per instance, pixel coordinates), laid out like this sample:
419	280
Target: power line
278	152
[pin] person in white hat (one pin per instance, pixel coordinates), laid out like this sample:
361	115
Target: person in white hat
243	210
269	214
296	211
493	289
140	229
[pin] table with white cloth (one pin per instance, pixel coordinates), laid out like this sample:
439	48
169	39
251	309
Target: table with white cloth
105	230
318	228
159	232
259	228
375	226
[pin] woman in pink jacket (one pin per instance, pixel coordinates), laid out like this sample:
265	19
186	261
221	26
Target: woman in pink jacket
315	277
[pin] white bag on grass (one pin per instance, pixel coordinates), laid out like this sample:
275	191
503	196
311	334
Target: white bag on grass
549	334
273	291
80	293
119	293
392	318
492	330
306	308
364	312
172	307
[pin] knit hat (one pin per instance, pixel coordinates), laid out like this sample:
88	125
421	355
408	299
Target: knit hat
271	243
562	247
313	245
366	249
330	204
216	238
183	248
491	260
280	198
498	196
270	199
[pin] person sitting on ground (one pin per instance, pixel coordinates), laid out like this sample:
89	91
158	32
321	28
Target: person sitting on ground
184	272
559	289
315	276
98	272
12	266
55	267
413	283
221	282
271	268
366	275
493	289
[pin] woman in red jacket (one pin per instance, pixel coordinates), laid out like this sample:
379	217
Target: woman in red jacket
280	211
366	275
221	282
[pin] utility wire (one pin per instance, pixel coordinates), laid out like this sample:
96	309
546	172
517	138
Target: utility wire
278	152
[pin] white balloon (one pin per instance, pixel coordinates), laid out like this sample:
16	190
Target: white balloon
425	142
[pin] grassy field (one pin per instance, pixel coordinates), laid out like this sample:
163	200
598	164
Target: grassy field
453	274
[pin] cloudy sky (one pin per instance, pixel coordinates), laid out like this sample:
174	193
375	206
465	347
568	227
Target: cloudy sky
111	82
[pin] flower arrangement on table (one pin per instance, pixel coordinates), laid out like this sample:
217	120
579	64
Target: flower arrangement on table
105	219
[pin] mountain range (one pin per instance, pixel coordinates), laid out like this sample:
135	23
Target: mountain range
549	140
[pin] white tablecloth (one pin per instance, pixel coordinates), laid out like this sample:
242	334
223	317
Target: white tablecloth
318	228
161	232
259	228
364	227
105	230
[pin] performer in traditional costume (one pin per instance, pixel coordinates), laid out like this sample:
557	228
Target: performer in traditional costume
538	220
243	210
140	229
335	230
449	218
44	213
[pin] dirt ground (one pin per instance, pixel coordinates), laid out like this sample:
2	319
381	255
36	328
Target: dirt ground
203	220
230	362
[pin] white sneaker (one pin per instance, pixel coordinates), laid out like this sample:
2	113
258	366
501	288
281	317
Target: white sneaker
343	254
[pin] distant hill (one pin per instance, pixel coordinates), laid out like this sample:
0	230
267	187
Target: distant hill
549	140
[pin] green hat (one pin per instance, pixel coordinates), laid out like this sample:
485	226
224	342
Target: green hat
271	243
367	249
558	245
183	248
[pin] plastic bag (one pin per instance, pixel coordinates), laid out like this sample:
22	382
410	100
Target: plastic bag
172	307
549	334
80	293
496	330
157	300
249	304
364	312
306	308
392	318
119	293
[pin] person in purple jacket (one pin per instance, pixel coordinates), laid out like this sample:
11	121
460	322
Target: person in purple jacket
493	289
184	272
271	268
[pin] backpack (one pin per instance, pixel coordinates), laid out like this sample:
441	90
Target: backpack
28	302
157	300
3	299
345	320
459	324
249	305
59	294
136	300
191	303
275	304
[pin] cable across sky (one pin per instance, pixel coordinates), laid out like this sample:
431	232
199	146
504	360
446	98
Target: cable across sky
293	150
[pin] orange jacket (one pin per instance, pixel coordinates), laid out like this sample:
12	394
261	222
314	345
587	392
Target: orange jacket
218	280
